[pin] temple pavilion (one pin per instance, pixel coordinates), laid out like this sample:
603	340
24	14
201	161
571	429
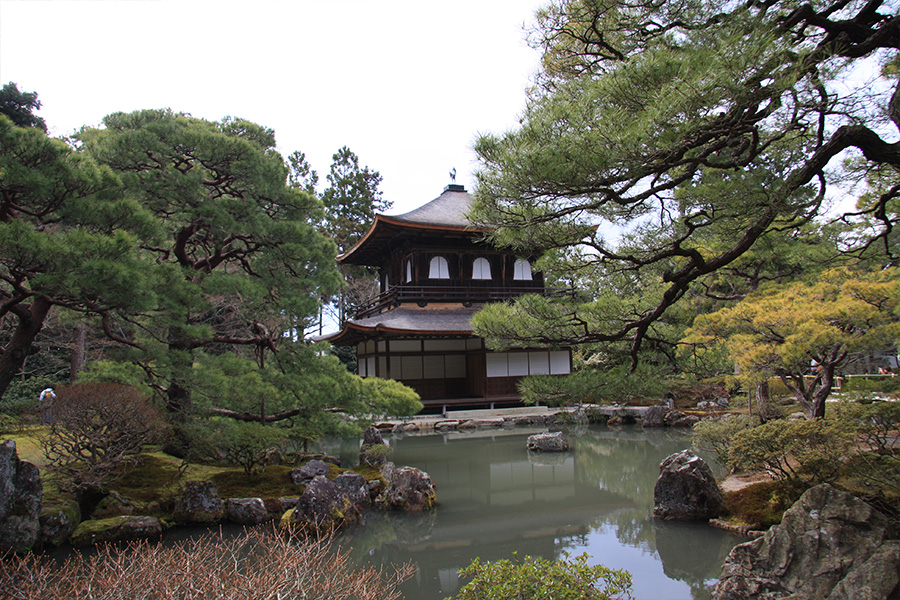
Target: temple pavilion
435	271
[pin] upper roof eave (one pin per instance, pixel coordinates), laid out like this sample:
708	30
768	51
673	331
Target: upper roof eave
448	212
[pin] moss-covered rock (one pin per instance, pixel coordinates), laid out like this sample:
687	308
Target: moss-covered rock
21	494
58	522
116	529
199	503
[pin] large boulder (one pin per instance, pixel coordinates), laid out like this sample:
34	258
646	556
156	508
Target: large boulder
309	471
654	416
247	511
548	442
676	418
116	529
686	489
58	522
409	489
829	546
199	503
324	506
355	487
21	494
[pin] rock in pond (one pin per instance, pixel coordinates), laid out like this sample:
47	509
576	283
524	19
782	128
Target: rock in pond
654	416
323	506
309	471
355	487
374	450
199	503
247	511
116	529
686	489
59	522
21	494
548	442
829	546
408	489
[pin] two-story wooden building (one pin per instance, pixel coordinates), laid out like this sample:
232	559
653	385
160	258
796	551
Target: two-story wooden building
435	272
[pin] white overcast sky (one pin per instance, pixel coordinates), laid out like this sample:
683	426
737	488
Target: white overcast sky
406	84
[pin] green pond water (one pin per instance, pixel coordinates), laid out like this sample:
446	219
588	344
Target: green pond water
495	499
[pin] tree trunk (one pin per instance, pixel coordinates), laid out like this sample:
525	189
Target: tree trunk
762	400
14	353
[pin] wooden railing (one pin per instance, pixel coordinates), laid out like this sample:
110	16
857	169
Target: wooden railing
399	294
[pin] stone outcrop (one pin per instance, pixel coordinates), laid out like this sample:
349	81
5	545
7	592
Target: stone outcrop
21	493
246	511
676	418
654	416
309	471
374	451
355	487
116	529
408	489
58	523
686	489
829	546
199	503
324	506
548	442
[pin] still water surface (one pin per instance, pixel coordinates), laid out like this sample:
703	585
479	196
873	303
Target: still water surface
495	499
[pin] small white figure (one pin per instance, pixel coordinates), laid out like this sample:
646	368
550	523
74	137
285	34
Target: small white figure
47	397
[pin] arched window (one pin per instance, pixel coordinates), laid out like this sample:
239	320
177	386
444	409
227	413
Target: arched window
481	269
408	271
522	270
438	268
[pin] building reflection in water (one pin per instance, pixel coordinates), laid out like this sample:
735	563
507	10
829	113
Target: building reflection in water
496	499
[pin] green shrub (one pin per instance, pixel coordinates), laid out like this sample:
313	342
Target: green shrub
875	426
760	505
795	452
541	578
876	384
716	435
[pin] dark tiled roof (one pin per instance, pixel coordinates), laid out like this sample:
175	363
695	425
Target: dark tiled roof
446	214
449	209
451	319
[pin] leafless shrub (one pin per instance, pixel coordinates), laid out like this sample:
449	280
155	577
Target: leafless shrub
97	429
257	565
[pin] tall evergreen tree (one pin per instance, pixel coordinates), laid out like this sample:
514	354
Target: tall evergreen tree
689	118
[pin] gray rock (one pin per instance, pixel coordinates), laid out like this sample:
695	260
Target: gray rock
288	503
324	506
116	529
408	489
829	545
247	511
374	451
355	487
309	471
112	505
199	502
686	489
654	416
676	418
58	523
21	494
548	442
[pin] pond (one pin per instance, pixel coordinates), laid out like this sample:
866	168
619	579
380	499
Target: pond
496	499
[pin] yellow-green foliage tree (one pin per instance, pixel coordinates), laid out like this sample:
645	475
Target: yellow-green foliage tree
782	329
